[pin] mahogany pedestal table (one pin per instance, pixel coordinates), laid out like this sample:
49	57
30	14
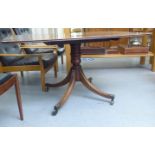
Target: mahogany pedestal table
76	73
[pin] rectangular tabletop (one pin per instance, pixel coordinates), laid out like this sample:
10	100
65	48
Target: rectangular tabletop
73	38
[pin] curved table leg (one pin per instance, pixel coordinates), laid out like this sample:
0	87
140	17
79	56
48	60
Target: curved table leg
66	95
92	88
61	83
90	79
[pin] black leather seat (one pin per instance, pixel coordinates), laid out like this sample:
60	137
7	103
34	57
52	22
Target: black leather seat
48	58
4	77
9	49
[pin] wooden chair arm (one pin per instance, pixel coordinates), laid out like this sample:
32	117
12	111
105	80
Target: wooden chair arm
40	57
39	46
21	55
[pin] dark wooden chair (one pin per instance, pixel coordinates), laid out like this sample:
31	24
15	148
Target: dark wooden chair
6	82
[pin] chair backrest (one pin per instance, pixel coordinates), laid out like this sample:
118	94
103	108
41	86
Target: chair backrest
4	77
8	48
19	31
5	32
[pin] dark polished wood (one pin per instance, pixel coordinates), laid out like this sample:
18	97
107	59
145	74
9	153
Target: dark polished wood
13	81
73	38
76	72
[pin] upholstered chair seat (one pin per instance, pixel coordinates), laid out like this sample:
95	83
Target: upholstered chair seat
9	49
4	77
47	60
38	50
18	61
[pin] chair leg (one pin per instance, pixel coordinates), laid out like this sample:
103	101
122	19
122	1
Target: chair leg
19	100
57	66
142	60
150	60
43	81
22	74
62	59
153	63
55	70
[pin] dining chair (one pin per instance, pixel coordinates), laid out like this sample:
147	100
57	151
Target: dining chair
12	59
